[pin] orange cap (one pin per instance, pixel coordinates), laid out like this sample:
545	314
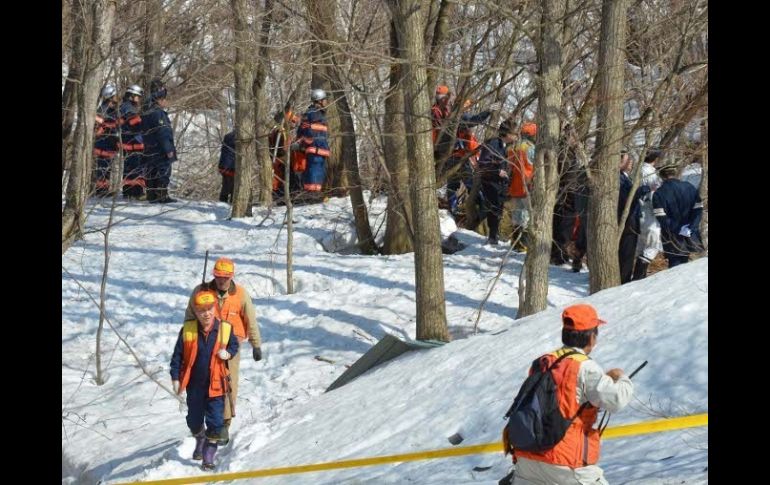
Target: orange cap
442	90
205	299
224	268
529	129
580	317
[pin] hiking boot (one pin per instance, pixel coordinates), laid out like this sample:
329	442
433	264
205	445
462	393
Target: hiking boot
209	450
224	435
152	195
577	265
200	440
492	241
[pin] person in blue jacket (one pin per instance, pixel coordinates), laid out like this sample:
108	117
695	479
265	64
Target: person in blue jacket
133	144
631	229
105	139
494	172
678	208
226	167
312	140
159	148
199	366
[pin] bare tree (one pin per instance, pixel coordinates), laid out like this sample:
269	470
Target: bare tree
323	27
74	75
546	177
153	31
603	229
245	147
260	108
704	184
429	269
399	232
94	19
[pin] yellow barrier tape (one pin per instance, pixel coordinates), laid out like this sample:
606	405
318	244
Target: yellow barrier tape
645	427
657	426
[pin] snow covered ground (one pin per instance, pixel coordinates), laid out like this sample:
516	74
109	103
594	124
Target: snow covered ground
130	429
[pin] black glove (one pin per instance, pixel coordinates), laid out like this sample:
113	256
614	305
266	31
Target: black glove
256	352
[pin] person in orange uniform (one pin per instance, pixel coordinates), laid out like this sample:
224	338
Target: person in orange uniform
235	307
522	159
198	366
579	380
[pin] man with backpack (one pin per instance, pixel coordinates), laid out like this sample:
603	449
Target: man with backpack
551	432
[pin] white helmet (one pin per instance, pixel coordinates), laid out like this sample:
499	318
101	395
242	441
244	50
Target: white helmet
108	91
136	90
317	95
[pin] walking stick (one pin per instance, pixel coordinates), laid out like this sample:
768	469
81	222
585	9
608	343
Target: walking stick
205	264
606	413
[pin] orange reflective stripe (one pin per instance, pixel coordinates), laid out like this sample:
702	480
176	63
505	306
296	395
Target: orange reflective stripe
318	151
133	147
318	127
313	187
98	152
134	121
137	182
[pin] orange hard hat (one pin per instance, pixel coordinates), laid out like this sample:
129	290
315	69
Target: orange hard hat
529	129
224	268
205	299
442	90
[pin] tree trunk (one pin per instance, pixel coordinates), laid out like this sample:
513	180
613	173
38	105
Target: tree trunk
704	185
440	31
546	178
336	178
399	232
603	230
74	75
245	147
263	156
94	17
322	25
429	269
153	31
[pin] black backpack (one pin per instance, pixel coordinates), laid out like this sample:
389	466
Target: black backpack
535	423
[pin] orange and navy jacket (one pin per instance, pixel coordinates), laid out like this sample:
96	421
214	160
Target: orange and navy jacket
234	307
439	115
195	362
131	128
521	159
106	131
580	445
312	132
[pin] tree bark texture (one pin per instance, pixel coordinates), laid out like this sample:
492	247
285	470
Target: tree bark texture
603	230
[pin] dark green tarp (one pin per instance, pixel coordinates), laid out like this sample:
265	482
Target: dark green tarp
389	347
